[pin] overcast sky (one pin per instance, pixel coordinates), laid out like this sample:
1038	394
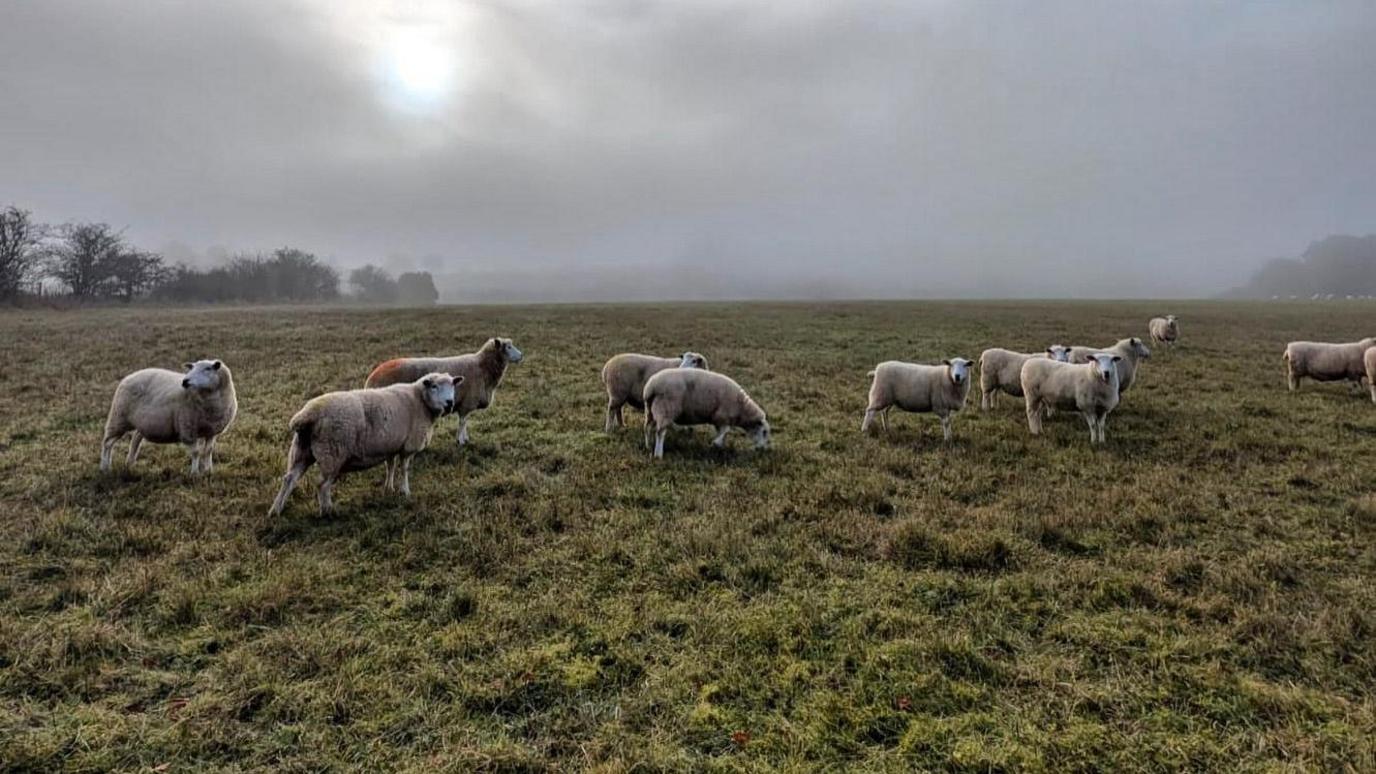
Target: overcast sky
851	147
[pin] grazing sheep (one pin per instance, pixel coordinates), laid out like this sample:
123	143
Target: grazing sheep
938	389
1164	330
482	371
1131	353
1001	370
1091	389
625	375
691	396
164	406
1325	362
358	429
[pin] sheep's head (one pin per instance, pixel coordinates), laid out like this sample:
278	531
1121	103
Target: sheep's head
958	368
1058	352
760	434
1139	348
1105	365
505	349
438	391
692	360
203	375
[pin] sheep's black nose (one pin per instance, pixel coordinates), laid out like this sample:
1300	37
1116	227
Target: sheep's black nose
186	383
449	405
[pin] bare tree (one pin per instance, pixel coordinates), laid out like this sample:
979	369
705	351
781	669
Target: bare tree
373	285
84	256
21	249
133	273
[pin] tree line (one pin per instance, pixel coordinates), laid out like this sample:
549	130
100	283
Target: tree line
92	261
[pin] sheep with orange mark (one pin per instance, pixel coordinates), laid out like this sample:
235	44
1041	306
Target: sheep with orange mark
359	429
482	371
162	406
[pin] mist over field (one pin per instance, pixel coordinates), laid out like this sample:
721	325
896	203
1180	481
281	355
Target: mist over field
636	150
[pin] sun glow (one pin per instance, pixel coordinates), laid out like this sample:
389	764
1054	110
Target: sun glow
419	73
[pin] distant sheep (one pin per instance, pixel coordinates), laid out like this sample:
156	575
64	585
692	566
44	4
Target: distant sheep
1090	388
1000	370
937	389
1325	362
624	377
162	406
1369	360
1164	330
691	396
482	371
359	429
1131	353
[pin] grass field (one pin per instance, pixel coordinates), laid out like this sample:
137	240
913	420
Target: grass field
1197	593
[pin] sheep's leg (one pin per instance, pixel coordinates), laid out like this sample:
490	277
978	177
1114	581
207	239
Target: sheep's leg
659	442
1034	416
614	418
1373	392
1103	428
946	427
649	429
1291	379
326	485
134	443
405	463
720	440
208	462
196	456
390	465
463	430
289	482
884	419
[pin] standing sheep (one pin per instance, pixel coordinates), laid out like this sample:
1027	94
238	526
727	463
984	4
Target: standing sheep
938	389
358	429
624	377
1164	330
164	406
482	371
1325	362
1369	360
691	396
1131	353
1001	370
1090	388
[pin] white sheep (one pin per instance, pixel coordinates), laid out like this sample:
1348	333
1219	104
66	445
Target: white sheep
691	396
1325	362
1164	330
359	429
1000	370
1369	361
938	389
1090	388
1131	353
482	371
162	406
624	377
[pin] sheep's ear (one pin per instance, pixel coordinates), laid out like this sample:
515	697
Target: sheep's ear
216	365
458	380
188	366
945	362
427	382
1117	358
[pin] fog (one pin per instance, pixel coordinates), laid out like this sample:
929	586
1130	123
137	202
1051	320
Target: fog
636	150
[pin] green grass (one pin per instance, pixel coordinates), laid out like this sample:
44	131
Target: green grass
1198	593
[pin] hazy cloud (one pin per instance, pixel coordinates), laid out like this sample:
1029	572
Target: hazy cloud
704	148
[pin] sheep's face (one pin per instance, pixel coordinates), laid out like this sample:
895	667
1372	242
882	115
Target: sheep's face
760	434
203	375
958	369
509	351
1140	349
1104	365
438	391
692	360
1058	352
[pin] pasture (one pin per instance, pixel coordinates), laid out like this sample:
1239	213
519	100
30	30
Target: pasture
1199	592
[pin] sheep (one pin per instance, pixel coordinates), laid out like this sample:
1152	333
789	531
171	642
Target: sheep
1131	351
482	372
939	389
1164	330
692	396
1091	389
1325	362
359	429
1369	360
164	406
1001	370
624	377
